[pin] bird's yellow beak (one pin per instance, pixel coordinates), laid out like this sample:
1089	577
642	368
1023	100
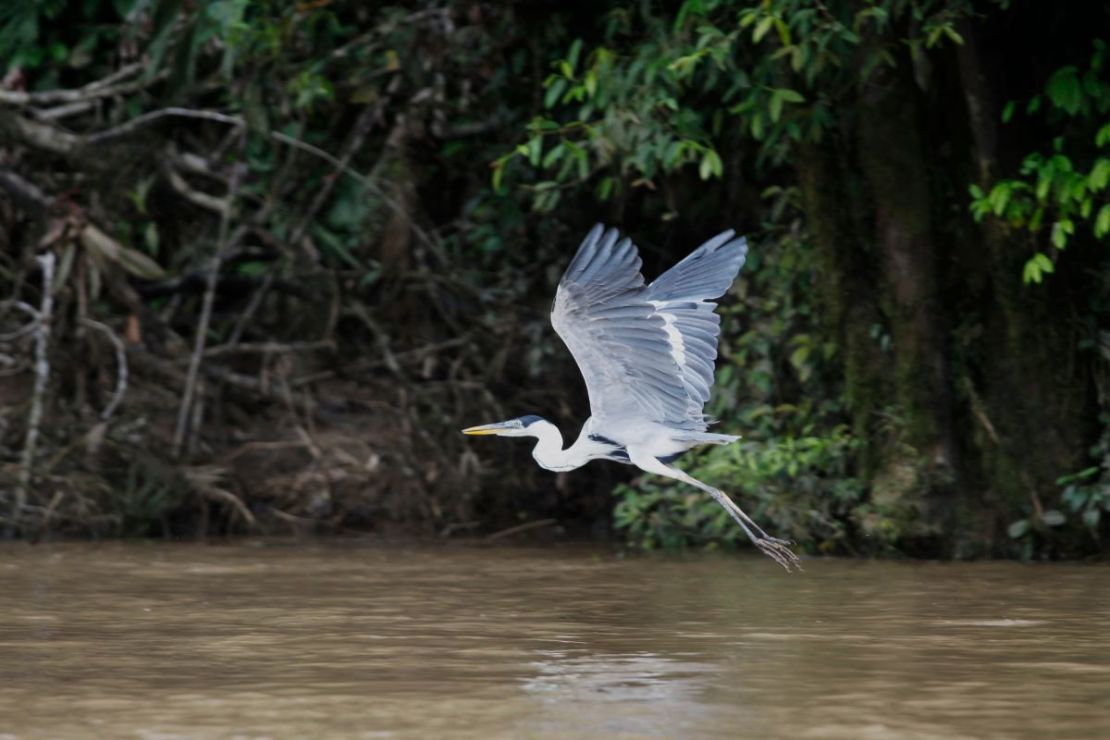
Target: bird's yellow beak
483	429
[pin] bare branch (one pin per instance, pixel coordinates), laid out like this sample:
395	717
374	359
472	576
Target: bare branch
42	377
63	111
41	135
156	115
205	316
25	193
219	494
268	348
104	88
196	197
26	328
121	367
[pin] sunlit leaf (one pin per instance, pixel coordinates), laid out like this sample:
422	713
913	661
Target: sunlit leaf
554	91
1053	518
1102	221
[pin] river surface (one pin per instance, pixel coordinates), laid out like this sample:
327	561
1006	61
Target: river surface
291	640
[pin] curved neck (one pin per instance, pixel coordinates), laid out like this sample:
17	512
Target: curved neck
549	452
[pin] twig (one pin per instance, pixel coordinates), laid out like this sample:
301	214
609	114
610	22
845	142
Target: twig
236	503
197	419
196	197
104	88
293	518
26	194
979	411
51	508
451	528
252	446
42	377
121	367
63	111
268	348
156	115
26	328
389	359
205	315
521	528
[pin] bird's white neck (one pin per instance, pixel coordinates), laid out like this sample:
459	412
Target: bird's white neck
549	452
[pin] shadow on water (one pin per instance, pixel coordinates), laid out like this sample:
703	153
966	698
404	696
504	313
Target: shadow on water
273	640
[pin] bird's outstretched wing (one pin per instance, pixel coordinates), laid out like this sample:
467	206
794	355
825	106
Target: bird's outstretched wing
684	295
646	352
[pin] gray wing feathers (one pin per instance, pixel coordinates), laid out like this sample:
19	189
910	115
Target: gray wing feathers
604	266
645	351
684	295
705	273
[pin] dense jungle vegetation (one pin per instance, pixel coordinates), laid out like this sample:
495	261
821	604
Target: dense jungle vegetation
262	260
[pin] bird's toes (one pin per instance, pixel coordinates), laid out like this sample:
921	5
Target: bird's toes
778	551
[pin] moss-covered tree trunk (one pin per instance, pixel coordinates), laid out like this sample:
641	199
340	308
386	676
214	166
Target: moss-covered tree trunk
848	298
1027	400
892	160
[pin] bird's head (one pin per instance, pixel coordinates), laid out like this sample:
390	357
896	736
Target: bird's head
521	426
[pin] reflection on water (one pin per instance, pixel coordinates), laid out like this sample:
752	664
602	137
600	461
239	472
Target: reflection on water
264	639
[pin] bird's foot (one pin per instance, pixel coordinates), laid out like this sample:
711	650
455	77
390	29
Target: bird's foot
779	551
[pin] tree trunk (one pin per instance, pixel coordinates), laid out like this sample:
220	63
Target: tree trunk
1031	417
891	155
848	297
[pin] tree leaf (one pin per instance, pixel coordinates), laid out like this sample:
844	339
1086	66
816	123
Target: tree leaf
575	51
1018	529
1053	518
1059	236
791	96
106	249
762	28
1102	221
554	91
1100	174
1064	90
1031	273
705	169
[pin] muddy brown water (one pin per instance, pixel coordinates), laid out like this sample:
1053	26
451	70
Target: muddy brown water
280	640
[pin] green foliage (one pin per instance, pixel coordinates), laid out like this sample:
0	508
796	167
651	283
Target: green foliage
50	39
660	96
1065	186
801	487
1084	506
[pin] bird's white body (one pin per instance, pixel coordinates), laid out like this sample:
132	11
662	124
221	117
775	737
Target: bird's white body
646	352
644	440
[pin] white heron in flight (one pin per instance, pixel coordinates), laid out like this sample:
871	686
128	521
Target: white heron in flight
646	353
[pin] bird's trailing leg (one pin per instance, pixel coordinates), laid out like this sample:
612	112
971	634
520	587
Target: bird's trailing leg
773	547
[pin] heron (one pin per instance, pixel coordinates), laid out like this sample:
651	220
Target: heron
646	352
